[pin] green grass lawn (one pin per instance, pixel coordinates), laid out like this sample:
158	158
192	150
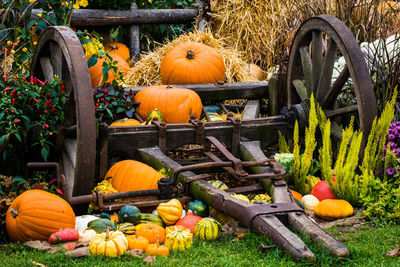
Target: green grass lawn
368	245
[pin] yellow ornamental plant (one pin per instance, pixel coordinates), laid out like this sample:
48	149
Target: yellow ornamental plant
170	212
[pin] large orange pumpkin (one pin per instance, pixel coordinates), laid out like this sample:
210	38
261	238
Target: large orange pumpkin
36	214
131	175
118	48
95	71
176	105
192	63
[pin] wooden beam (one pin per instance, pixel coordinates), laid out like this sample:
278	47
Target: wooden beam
247	90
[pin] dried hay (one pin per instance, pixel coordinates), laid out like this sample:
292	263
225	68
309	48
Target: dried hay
262	29
147	70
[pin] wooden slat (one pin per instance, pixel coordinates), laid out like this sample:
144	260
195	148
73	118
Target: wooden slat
251	110
47	68
247	90
97	17
301	89
325	78
317	58
307	68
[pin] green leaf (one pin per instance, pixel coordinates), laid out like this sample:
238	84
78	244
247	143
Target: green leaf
110	113
3	138
92	61
120	109
19	179
44	153
86	41
1	115
18	137
105	70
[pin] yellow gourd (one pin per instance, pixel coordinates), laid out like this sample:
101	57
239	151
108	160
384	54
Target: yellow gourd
179	239
332	209
109	244
170	212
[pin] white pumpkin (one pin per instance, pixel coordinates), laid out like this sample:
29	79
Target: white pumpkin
82	221
86	235
309	202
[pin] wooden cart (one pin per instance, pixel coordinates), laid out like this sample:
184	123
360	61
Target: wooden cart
235	146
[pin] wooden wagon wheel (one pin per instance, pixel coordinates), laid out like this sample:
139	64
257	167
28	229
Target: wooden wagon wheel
59	52
317	45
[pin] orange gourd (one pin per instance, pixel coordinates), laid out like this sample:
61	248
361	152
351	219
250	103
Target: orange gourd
151	231
176	105
125	122
157	250
192	63
95	71
131	175
36	214
255	72
296	195
118	48
169	229
137	242
332	209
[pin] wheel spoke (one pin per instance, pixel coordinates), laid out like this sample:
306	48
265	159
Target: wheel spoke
325	77
307	68
336	130
341	111
300	89
56	59
47	68
317	59
331	95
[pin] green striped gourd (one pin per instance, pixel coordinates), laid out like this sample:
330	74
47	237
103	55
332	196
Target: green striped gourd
127	228
207	229
218	184
179	239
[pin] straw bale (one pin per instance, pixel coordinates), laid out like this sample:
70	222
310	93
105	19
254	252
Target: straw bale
147	70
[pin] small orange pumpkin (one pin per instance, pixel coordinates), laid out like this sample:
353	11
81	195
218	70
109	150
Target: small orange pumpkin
131	175
176	105
192	63
155	249
95	71
118	48
296	195
151	231
36	214
137	242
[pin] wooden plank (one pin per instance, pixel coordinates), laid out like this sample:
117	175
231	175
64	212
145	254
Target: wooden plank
263	224
97	17
300	89
307	68
247	90
273	96
251	110
299	221
263	129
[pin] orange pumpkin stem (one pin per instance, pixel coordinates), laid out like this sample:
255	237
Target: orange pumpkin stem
14	213
107	233
190	54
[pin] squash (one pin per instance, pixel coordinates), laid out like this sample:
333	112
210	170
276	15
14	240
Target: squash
131	175
189	221
36	214
169	229
157	250
207	229
322	191
137	242
125	122
170	212
198	208
126	228
296	195
64	235
309	202
179	239
192	63
109	244
176	105
93	47
82	221
105	187
255	72
262	197
218	184
151	231
128	213
96	75
332	209
86	235
118	48
100	225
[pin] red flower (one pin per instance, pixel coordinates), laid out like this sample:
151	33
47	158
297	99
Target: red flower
62	88
45	111
106	103
38	186
13	101
53	180
17	121
5	79
37	101
11	110
105	91
14	93
59	192
46	125
33	80
7	89
52	110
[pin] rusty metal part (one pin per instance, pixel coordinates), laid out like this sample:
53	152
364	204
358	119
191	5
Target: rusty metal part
46	165
315	49
236	122
199	125
59	52
230	208
220	83
162	134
